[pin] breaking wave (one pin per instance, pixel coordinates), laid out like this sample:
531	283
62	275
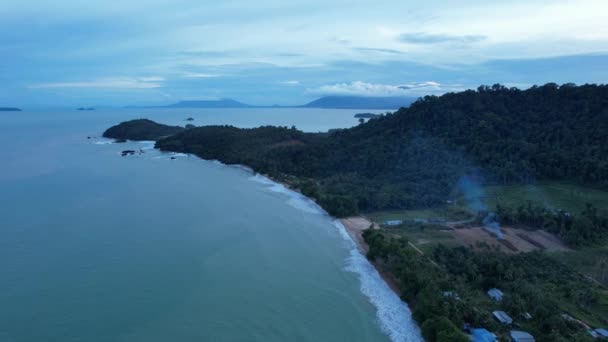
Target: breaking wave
148	145
296	199
393	314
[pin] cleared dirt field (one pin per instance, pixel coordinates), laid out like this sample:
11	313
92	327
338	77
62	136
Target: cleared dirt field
515	240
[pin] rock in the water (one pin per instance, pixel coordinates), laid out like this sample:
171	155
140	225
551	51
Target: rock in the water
127	153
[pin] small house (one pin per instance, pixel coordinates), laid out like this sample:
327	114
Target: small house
495	294
502	317
520	336
393	222
602	332
483	335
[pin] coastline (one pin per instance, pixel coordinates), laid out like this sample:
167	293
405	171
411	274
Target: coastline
393	313
355	226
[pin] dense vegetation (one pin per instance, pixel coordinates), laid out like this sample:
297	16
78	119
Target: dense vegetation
590	227
447	289
142	129
414	157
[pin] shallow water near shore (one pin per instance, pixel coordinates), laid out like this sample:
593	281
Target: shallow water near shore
99	247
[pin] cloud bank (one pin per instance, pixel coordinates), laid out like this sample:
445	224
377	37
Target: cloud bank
360	88
110	83
429	38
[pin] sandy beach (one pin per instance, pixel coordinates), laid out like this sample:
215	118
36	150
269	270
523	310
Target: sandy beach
355	226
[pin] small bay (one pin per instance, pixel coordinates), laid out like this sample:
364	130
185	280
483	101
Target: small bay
98	247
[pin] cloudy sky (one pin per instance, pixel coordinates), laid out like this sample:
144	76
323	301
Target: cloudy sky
92	52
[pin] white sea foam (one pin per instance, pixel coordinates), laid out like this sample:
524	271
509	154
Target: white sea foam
148	145
240	167
104	142
261	179
394	316
178	155
295	199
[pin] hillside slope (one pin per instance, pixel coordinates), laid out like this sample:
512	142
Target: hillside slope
414	157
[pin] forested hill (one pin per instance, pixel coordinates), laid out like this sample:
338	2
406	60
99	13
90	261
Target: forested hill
542	132
414	157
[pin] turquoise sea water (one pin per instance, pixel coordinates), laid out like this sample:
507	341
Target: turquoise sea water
99	247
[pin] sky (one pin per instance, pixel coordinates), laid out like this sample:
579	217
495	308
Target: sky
135	52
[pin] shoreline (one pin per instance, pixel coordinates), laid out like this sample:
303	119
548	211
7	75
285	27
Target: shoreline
355	226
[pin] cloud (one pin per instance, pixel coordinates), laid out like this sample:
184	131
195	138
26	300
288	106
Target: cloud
290	82
376	50
429	38
359	88
199	75
206	54
109	83
340	40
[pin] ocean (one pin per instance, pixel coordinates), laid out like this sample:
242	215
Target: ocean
98	247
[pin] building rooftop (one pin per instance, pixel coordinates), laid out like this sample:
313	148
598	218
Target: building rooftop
495	294
393	222
521	336
502	317
603	332
483	335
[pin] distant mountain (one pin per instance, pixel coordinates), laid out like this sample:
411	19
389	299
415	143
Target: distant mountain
9	109
225	103
359	102
329	102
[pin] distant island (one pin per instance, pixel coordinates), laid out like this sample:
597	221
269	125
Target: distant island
9	109
421	175
367	115
141	129
359	102
85	108
328	102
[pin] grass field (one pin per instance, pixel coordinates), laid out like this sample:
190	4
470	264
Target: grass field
592	261
565	196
